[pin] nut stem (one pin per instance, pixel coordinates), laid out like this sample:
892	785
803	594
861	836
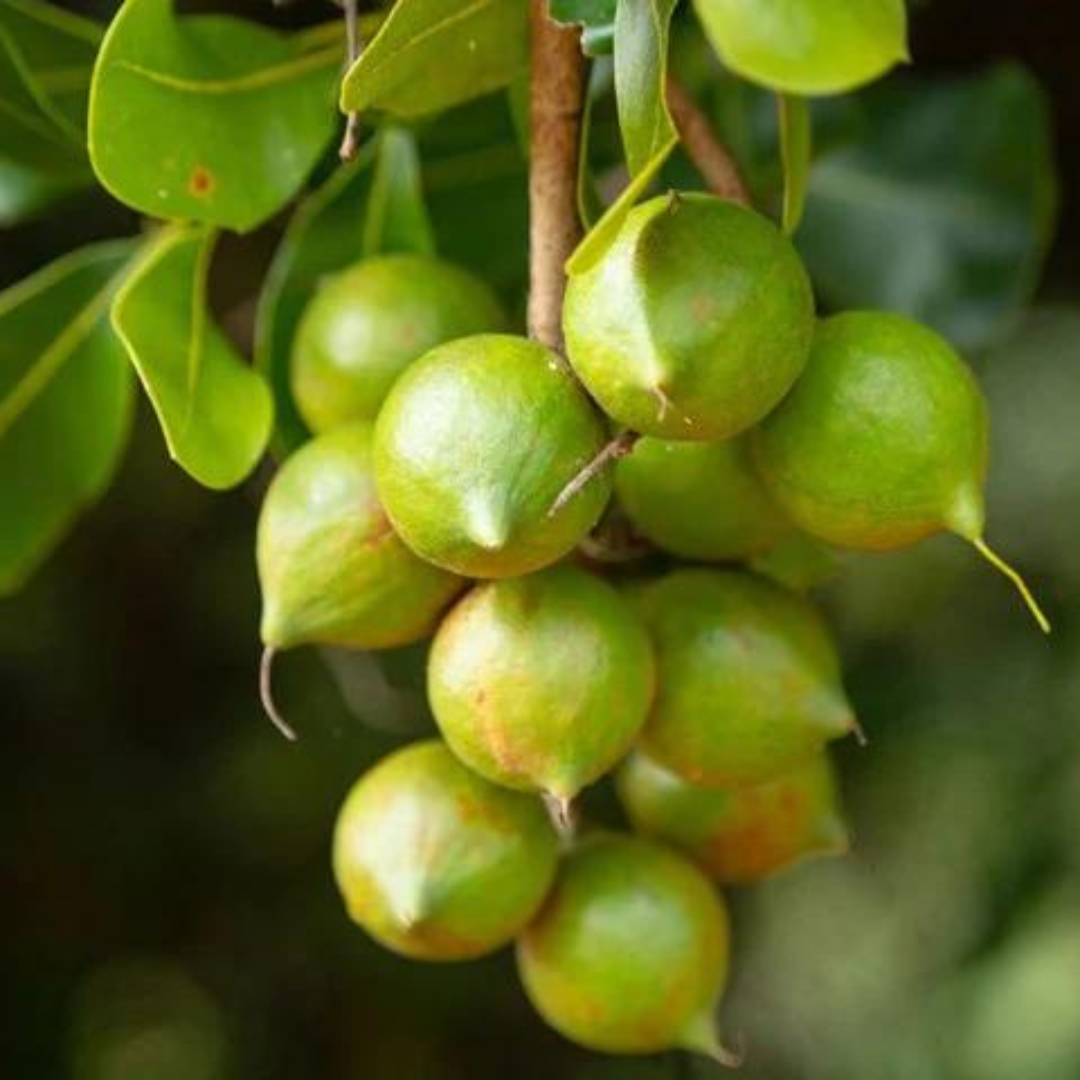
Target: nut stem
710	156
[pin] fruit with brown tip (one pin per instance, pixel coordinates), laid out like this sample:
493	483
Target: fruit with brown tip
542	682
435	862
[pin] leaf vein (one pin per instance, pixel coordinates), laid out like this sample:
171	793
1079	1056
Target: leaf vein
239	84
465	13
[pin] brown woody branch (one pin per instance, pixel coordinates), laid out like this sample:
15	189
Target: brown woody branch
709	155
556	90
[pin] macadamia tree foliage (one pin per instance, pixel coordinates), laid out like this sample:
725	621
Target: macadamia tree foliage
591	416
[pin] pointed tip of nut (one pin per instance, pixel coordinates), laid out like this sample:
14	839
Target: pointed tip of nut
562	812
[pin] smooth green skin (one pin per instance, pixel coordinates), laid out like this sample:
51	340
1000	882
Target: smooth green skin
748	679
436	863
473	447
365	325
542	683
798	562
807	46
884	439
742	835
331	569
694	323
630	953
699	500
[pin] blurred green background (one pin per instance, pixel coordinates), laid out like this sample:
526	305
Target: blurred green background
166	905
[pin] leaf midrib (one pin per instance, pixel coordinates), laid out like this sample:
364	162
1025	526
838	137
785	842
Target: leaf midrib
273	75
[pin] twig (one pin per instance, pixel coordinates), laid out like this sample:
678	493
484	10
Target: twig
266	694
709	155
350	140
556	90
617	448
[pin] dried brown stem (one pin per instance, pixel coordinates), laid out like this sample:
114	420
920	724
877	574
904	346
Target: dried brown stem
350	141
617	448
266	694
556	90
709	155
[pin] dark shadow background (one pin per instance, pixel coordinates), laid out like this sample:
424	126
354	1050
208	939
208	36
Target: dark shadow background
166	906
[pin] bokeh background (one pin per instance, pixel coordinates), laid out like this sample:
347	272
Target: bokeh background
166	905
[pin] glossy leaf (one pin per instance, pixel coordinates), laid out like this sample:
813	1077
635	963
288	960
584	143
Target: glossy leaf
431	54
807	46
601	236
589	203
46	57
209	118
323	236
641	48
596	19
214	410
795	151
65	402
648	133
397	217
941	207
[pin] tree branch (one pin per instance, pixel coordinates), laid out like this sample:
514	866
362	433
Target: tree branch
709	155
556	88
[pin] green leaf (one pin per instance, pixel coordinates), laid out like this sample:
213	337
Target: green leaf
1032	381
46	57
431	54
65	402
796	143
476	183
807	46
942	207
323	236
601	236
641	48
209	118
397	217
596	19
590	205
25	193
517	100
648	134
215	411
